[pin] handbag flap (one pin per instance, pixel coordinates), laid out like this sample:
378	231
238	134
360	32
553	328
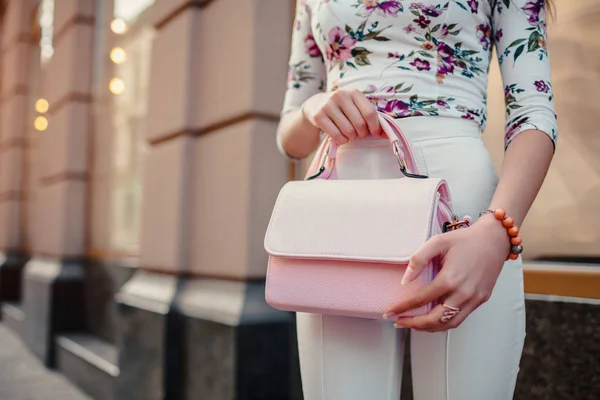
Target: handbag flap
380	220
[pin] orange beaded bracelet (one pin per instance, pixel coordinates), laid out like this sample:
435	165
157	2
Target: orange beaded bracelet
516	241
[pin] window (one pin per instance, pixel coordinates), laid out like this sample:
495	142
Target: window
128	10
129	87
46	30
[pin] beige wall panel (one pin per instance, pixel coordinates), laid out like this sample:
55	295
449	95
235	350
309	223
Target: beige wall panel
13	72
269	172
237	176
72	195
568	10
15	21
165	190
63	145
60	229
10	226
11	169
32	184
13	114
223	83
100	214
493	136
564	219
226	50
69	69
161	9
272	35
170	76
101	179
223	182
67	9
38	220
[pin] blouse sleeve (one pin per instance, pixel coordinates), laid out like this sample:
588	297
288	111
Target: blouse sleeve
307	74
521	44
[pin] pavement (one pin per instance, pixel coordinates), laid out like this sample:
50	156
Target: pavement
23	377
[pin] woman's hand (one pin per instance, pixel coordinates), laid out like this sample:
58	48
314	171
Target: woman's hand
471	258
344	115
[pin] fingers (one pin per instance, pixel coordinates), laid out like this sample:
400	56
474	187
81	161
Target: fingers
353	114
438	288
440	318
448	315
437	245
340	119
345	115
441	286
436	320
368	112
422	322
330	128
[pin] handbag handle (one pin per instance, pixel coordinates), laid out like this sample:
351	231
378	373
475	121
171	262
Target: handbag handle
400	146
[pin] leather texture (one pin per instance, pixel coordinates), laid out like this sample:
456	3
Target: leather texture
341	247
327	220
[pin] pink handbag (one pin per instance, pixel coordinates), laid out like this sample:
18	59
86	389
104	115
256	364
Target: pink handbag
341	247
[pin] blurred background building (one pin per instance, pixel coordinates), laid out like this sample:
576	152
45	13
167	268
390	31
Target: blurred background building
138	169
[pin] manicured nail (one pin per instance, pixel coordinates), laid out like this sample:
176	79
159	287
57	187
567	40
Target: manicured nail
389	315
404	280
397	325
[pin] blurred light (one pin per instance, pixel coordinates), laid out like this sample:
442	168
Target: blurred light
129	10
46	23
46	20
117	55
41	106
118	26
116	86
47	52
40	123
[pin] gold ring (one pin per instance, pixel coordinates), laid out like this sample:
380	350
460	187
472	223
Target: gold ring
449	313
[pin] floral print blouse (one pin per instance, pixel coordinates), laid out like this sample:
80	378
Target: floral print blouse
428	58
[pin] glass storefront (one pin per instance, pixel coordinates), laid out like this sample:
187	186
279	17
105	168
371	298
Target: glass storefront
128	85
46	22
129	10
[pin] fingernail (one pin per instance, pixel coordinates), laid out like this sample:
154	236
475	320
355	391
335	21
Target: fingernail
405	280
397	325
389	315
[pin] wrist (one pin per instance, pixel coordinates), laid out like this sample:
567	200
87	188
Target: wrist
495	230
307	112
508	224
310	129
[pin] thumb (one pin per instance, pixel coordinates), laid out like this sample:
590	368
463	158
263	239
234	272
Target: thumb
437	245
379	130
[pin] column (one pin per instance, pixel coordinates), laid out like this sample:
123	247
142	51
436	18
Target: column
53	277
16	48
195	314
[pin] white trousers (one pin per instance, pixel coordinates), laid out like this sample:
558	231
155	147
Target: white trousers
359	359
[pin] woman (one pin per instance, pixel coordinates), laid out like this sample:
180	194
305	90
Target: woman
425	63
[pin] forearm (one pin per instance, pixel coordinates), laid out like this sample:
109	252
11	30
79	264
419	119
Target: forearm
297	136
524	168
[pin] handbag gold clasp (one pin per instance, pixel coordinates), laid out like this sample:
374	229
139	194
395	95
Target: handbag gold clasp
456	224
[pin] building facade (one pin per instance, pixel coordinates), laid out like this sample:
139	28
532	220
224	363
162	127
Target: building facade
138	169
